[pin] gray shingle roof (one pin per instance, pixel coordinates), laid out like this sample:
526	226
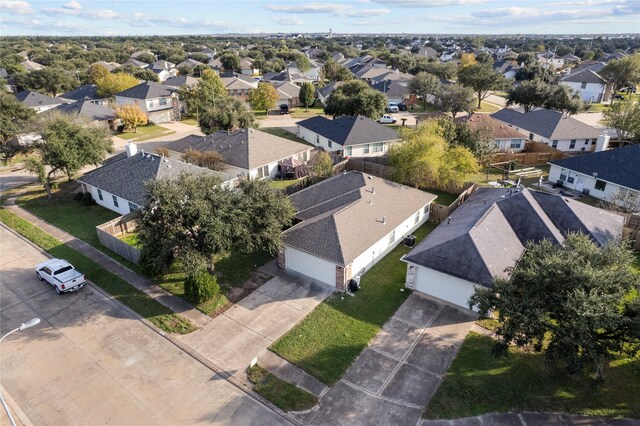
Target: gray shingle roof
488	233
87	110
125	176
392	88
86	92
584	76
547	123
35	99
338	221
146	90
350	130
620	166
181	80
244	148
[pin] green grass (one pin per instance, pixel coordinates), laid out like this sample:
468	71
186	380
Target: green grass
487	107
501	94
145	133
444	198
595	107
332	336
277	131
282	184
190	121
173	282
236	268
130	238
161	316
479	383
418	108
283	395
301	112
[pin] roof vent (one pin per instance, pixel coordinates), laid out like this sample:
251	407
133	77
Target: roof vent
344	172
169	166
373	189
370	202
384	220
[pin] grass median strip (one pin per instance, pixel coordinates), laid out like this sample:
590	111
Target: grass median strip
158	314
331	337
282	394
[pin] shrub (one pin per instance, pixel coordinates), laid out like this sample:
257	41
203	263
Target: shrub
87	199
162	151
78	196
201	286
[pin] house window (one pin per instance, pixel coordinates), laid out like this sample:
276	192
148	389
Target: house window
600	185
133	207
426	210
570	179
392	237
572	144
583	85
100	194
163	101
348	151
563	174
378	147
554	144
593	141
417	218
115	200
263	171
530	136
516	143
366	148
586	141
329	143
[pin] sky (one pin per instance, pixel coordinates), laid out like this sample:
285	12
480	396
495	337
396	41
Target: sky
176	17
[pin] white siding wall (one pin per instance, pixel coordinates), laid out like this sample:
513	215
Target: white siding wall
120	101
593	92
107	201
582	181
504	145
357	150
443	286
563	144
373	254
310	265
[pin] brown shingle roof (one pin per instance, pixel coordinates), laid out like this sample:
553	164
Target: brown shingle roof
500	130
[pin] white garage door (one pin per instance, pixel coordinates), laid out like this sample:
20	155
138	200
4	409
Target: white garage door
443	286
311	266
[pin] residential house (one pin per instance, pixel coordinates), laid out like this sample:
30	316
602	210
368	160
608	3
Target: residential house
108	65
37	101
429	52
570	59
589	84
134	55
448	55
189	63
347	223
549	59
31	66
164	70
322	93
119	184
506	67
391	75
135	63
489	233
353	136
159	102
247	68
86	92
601	174
87	110
395	91
552	128
289	94
246	152
313	73
209	52
239	87
368	73
507	139
180	81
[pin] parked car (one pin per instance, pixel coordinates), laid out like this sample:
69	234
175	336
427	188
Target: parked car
616	96
61	275
392	107
386	119
284	109
402	106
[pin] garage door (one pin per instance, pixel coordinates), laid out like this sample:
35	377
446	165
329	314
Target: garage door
311	266
443	286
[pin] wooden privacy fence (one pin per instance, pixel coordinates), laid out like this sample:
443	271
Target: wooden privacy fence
534	154
108	235
631	230
438	213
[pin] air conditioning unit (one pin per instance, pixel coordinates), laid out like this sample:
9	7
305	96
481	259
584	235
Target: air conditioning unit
585	191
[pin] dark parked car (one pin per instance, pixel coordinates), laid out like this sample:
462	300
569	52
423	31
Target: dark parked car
402	106
284	109
618	97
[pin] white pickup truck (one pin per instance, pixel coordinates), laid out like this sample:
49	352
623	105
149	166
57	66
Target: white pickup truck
386	119
61	275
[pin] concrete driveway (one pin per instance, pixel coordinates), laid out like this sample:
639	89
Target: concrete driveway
394	378
90	362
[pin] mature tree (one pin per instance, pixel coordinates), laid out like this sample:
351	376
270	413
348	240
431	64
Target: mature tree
565	99
230	61
333	71
467	59
479	141
320	166
146	57
484	58
96	72
622	201
623	72
307	95
146	74
132	116
14	119
264	97
195	220
455	98
535	71
50	80
444	70
302	63
624	117
482	79
185	70
227	114
578	300
111	84
425	159
423	85
529	94
204	94
209	159
67	146
356	97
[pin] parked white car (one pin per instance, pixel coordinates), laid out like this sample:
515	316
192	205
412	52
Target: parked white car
61	275
386	119
392	107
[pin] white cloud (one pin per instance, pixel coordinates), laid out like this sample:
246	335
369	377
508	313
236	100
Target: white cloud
335	9
16	6
289	20
72	5
427	3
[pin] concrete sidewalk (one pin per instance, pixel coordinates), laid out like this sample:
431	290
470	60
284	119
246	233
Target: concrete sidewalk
531	419
143	284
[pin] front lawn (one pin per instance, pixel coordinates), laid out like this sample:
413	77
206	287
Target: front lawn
283	395
302	112
479	383
282	184
332	336
144	133
487	107
190	121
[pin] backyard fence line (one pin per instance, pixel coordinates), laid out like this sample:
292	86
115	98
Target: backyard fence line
108	234
438	213
631	230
